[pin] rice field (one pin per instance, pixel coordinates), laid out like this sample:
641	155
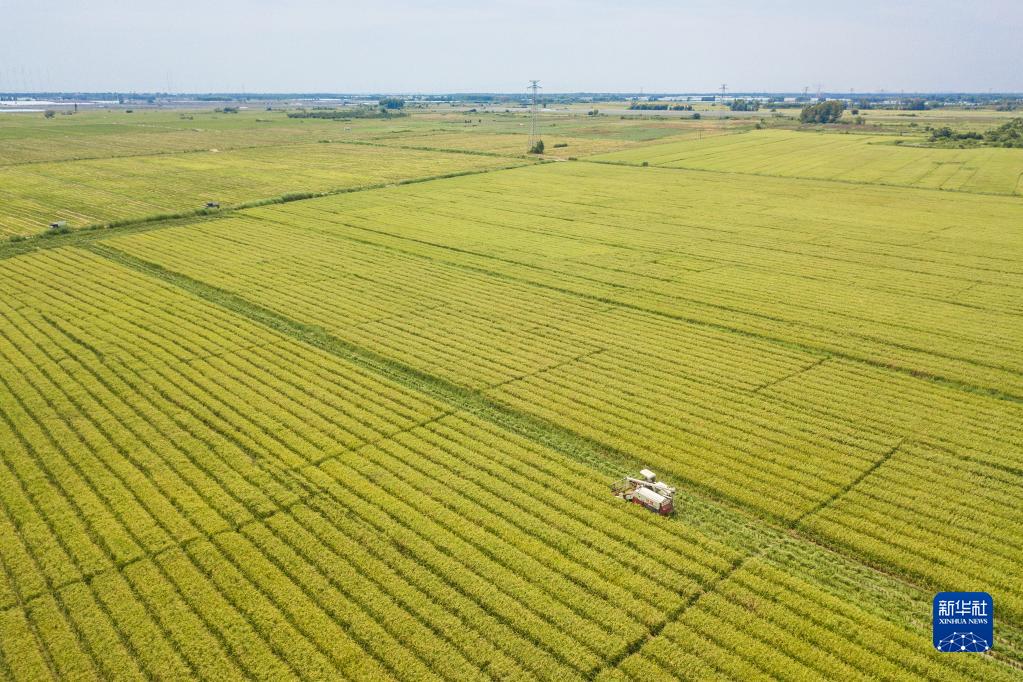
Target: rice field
857	158
370	435
96	168
30	138
98	191
761	399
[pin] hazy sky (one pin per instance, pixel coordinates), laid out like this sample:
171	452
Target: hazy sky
456	45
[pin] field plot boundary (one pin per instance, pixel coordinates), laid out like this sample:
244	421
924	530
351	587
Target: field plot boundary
858	183
394	384
94	231
602	457
832	156
273	145
588	451
104	192
679	611
958	384
824	504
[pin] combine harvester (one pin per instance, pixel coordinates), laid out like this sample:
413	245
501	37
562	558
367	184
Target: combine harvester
646	491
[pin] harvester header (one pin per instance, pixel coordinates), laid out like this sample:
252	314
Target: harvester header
646	491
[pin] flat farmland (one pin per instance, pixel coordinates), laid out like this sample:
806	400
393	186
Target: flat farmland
369	434
753	355
581	136
874	159
118	189
301	511
29	138
509	144
227	547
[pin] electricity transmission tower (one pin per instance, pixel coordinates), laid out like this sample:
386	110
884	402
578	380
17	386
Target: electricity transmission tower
534	121
724	89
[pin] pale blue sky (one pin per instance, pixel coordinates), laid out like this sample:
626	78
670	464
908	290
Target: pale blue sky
456	45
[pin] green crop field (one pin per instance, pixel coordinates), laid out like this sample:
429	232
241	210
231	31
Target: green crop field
369	432
875	159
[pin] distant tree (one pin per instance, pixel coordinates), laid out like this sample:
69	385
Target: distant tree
537	148
649	106
822	112
696	116
1009	134
946	134
744	105
915	104
395	103
49	113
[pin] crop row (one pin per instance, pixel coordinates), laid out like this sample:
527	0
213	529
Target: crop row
764	623
101	190
426	347
210	547
429	298
756	294
774	428
858	158
978	346
90	135
414	491
949	522
632	397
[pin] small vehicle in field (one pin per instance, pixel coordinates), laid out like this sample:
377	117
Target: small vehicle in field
647	492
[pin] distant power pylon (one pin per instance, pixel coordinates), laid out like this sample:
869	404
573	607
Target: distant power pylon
724	89
534	119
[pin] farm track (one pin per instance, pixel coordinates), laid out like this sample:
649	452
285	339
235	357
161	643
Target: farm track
589	451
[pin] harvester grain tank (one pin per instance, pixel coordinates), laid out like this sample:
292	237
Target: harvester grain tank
647	492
